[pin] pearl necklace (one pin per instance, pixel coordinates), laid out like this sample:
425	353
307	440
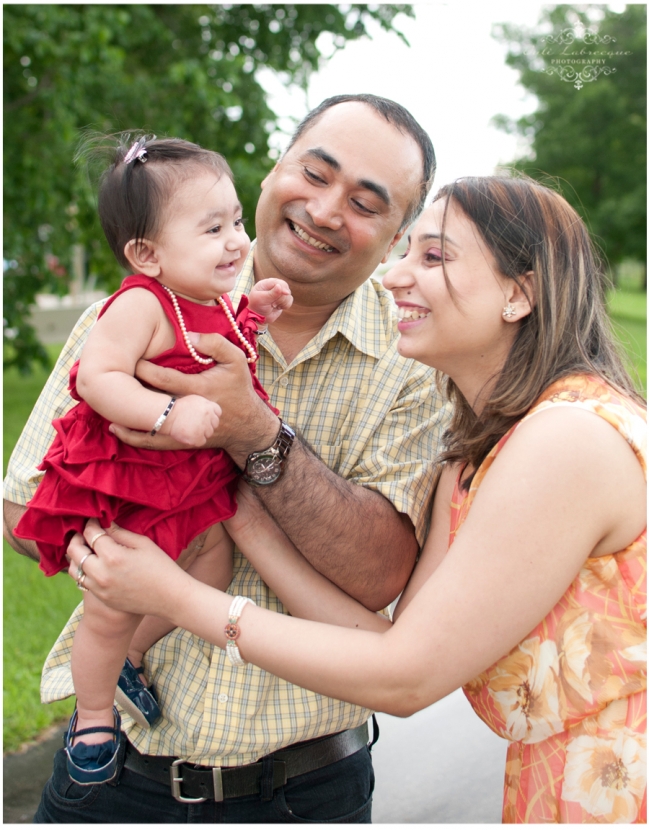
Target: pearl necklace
205	361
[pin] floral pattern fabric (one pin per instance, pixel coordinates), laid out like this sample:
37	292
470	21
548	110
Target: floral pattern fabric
571	698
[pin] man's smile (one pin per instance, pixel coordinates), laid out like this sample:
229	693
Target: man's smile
310	240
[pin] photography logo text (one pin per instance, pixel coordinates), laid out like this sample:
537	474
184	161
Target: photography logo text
579	56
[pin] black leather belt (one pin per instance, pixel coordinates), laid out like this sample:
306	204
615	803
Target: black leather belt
191	783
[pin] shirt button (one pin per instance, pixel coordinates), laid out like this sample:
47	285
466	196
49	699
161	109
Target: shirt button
283	381
222	698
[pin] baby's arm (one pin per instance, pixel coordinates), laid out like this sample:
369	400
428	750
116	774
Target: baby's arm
270	297
134	327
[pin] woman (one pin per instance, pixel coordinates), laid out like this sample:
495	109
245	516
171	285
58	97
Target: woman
530	589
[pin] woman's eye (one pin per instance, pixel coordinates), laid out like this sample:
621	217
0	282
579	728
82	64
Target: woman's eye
433	255
403	256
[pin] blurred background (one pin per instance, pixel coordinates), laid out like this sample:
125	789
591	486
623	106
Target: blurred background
558	91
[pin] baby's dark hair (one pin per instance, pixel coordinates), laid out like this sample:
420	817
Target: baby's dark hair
137	186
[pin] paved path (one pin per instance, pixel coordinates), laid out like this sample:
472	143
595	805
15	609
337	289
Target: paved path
441	766
24	775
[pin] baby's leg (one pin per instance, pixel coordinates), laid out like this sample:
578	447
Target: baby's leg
100	646
213	566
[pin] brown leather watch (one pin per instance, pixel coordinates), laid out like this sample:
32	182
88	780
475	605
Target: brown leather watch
265	466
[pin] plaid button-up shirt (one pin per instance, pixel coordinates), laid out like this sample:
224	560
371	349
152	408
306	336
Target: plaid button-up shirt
374	418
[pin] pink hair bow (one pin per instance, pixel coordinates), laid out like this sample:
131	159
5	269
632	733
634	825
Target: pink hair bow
137	152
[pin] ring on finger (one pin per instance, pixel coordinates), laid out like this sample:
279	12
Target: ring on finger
94	539
80	572
80	581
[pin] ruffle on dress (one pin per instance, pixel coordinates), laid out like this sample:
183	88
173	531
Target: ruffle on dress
171	497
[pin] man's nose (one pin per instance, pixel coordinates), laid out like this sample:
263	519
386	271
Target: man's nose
326	209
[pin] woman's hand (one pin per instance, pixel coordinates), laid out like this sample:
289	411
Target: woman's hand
128	572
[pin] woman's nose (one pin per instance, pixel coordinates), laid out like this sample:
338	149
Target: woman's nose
399	276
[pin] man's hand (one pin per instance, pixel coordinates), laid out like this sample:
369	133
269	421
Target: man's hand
246	423
270	297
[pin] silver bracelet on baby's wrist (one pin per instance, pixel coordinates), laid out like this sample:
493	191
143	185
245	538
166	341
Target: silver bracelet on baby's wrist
164	416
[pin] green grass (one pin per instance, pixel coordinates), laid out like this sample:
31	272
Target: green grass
36	608
628	310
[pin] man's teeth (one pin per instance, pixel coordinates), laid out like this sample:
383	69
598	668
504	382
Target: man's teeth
311	241
412	313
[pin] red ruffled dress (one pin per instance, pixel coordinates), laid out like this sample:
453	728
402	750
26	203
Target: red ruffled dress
169	496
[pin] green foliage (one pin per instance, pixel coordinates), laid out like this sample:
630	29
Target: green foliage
35	610
594	137
178	70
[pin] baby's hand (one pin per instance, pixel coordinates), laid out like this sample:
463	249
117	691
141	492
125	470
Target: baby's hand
192	421
270	298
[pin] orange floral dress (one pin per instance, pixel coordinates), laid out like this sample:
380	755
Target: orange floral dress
571	698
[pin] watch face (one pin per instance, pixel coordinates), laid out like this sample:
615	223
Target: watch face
265	468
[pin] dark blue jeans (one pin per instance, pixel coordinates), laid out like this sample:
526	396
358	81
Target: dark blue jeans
340	793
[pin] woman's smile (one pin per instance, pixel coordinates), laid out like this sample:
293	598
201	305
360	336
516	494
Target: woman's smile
410	315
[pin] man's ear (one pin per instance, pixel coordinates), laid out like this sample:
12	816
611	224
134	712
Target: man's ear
268	175
395	239
142	256
521	297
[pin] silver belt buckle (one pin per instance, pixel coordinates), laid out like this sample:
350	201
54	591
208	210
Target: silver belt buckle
218	783
176	782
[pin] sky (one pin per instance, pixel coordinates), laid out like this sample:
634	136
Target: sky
453	79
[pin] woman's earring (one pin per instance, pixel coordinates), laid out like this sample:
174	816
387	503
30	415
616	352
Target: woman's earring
509	311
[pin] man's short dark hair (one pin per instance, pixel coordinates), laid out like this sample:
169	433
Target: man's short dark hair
404	122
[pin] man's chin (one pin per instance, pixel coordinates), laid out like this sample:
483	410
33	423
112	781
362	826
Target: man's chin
303	266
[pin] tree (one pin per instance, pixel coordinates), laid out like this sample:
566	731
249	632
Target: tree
185	70
589	133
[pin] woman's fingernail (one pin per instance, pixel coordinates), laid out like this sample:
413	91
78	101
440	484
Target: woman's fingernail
194	337
111	428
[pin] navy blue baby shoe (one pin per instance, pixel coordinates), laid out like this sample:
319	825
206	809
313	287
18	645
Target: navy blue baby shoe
134	697
90	764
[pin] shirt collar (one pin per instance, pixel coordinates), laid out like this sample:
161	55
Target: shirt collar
365	318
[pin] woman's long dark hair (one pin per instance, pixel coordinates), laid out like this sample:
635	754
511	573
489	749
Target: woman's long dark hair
530	228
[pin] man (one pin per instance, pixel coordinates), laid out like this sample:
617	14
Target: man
351	491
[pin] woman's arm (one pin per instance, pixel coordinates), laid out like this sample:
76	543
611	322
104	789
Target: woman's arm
564	487
436	545
301	589
133	327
